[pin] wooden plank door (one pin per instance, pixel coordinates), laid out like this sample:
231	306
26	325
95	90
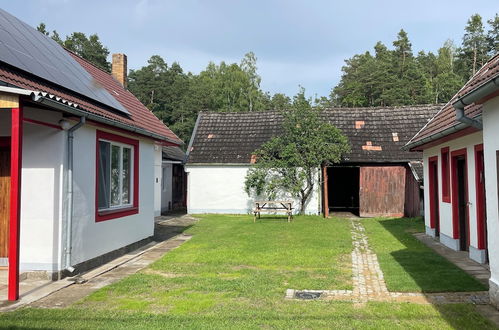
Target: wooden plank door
4	200
382	191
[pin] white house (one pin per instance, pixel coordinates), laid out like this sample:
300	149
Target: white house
77	158
461	156
221	151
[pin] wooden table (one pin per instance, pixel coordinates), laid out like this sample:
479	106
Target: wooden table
273	207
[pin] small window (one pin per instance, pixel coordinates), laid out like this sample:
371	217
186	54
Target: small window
116	175
445	175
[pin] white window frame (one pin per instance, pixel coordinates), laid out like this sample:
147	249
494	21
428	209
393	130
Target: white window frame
132	163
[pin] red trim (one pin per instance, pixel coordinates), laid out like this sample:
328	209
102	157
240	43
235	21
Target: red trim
34	121
480	198
15	201
447	138
445	163
113	214
455	201
432	164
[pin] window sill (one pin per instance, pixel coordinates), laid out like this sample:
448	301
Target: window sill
446	199
113	214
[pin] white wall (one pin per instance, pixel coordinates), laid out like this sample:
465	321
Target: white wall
220	189
90	238
491	144
167	187
41	192
157	179
468	142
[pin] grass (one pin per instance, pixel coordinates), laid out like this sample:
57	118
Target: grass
233	274
410	266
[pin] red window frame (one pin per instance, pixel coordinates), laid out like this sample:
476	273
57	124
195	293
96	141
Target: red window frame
445	168
134	209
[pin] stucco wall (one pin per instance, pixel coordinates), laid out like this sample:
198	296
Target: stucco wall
41	192
90	238
468	142
220	189
157	180
491	145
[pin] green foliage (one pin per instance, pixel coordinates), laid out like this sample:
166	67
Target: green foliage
89	48
289	163
397	77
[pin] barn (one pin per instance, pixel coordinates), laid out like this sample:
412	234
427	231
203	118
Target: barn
377	178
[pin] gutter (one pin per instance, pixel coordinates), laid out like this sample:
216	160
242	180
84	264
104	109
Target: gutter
80	113
70	184
453	129
471	97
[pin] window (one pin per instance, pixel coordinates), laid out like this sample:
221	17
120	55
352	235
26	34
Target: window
445	175
117	176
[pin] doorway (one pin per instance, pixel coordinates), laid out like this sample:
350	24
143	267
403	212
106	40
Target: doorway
433	194
4	199
460	199
343	189
480	200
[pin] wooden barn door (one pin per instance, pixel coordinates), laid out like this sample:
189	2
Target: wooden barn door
382	191
4	201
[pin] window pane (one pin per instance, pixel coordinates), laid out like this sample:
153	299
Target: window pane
115	175
103	173
127	170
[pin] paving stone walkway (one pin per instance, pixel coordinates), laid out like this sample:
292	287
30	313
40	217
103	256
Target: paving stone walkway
369	283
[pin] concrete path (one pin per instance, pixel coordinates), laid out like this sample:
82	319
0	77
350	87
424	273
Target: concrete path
168	235
369	283
459	258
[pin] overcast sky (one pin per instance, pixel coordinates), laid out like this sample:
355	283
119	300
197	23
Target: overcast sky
296	42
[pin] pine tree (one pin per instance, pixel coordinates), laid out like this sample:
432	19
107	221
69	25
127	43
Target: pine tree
473	52
493	36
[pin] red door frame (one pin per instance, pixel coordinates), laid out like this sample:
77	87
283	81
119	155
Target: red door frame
16	143
480	198
434	209
455	198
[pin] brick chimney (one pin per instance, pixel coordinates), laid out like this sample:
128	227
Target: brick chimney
119	68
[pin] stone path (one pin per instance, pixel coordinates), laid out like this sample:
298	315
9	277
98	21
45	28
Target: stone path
369	283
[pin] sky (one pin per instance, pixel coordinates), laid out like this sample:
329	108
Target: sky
297	43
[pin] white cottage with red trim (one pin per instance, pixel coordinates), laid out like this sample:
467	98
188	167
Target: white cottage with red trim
80	158
461	166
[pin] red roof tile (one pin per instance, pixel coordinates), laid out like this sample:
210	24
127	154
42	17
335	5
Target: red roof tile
140	116
446	117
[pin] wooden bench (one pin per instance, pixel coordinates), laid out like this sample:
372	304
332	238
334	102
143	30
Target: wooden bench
273	207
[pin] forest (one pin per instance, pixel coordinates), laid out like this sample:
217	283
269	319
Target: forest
384	76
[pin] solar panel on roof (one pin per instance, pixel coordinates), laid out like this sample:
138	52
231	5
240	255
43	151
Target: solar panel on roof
29	50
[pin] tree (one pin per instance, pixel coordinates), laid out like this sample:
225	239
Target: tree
473	51
89	48
493	36
289	162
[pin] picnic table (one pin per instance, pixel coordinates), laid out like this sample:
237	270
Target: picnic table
273	207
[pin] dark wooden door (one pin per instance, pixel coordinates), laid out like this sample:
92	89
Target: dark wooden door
462	198
4	200
382	191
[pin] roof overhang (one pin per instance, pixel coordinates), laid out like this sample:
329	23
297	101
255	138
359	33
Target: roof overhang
66	106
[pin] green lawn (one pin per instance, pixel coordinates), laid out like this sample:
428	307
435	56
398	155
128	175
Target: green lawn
234	273
410	266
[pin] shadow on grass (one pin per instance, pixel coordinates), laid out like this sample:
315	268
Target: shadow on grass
163	232
429	270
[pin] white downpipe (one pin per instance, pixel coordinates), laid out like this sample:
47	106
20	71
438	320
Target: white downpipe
69	210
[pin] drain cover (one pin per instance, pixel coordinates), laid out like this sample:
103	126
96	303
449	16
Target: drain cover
307	295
